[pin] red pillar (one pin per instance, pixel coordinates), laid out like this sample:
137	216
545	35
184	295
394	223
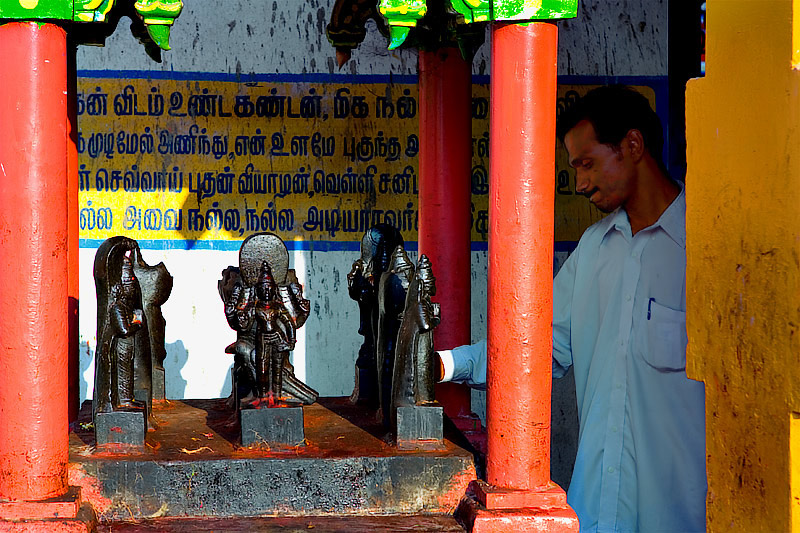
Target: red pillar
445	163
521	203
33	261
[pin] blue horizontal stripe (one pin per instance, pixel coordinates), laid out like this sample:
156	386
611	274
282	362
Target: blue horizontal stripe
654	81
317	246
249	78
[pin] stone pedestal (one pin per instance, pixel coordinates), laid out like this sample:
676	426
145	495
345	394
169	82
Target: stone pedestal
419	426
120	427
281	426
193	467
159	384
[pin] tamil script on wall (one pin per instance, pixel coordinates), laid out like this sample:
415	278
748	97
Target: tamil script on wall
218	160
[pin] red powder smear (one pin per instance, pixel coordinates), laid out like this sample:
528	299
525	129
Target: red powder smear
91	488
116	429
269	401
449	500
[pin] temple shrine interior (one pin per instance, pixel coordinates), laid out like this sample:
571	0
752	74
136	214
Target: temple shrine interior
236	236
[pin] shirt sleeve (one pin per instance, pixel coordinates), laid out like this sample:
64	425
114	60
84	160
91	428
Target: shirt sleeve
563	287
466	364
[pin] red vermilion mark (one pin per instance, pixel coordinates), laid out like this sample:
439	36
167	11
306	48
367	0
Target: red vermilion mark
116	429
270	400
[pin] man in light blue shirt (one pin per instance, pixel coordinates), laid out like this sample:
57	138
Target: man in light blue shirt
619	320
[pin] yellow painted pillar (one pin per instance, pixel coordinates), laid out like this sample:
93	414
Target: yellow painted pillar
743	261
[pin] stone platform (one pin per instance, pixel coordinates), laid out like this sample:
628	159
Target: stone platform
192	465
314	524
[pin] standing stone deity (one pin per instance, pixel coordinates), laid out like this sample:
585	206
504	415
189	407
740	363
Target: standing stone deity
414	378
377	245
122	336
391	303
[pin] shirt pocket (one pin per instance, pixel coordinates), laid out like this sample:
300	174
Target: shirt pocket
664	346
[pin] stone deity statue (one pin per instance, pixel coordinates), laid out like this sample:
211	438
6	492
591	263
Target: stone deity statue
122	336
129	360
391	303
264	304
377	245
275	336
414	378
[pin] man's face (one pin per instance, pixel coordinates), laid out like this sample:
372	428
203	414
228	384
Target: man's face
603	174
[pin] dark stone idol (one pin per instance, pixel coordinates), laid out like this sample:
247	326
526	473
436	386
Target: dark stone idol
264	303
124	359
377	245
418	416
391	303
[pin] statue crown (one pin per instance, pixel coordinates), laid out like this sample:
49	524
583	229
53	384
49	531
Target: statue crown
400	260
424	270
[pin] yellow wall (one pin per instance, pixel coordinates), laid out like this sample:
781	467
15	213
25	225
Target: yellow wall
743	262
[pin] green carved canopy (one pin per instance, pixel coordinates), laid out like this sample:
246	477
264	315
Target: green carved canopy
515	10
156	15
402	15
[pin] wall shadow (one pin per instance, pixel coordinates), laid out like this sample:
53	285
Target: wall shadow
85	361
177	356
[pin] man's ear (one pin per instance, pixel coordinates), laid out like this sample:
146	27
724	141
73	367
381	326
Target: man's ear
635	143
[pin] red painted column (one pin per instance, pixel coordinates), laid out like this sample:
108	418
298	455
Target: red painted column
33	261
521	210
519	495
445	167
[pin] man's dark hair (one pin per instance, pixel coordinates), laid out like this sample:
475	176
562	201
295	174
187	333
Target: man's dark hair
613	111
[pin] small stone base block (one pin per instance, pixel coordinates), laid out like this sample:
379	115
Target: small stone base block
159	384
120	427
493	497
65	506
282	426
543	518
419	425
85	522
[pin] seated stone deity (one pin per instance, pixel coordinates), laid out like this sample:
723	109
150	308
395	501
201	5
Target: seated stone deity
264	304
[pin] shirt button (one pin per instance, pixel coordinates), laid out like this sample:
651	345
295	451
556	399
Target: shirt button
614	429
628	298
610	469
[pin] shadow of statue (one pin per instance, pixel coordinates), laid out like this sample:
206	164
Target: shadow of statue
176	358
85	362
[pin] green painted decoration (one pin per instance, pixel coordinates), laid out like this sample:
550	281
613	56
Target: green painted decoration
401	15
158	16
92	10
535	9
36	9
511	10
473	10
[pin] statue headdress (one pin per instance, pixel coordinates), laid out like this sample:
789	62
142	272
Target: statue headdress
424	270
400	260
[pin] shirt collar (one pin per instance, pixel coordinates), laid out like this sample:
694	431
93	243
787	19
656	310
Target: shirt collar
672	220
